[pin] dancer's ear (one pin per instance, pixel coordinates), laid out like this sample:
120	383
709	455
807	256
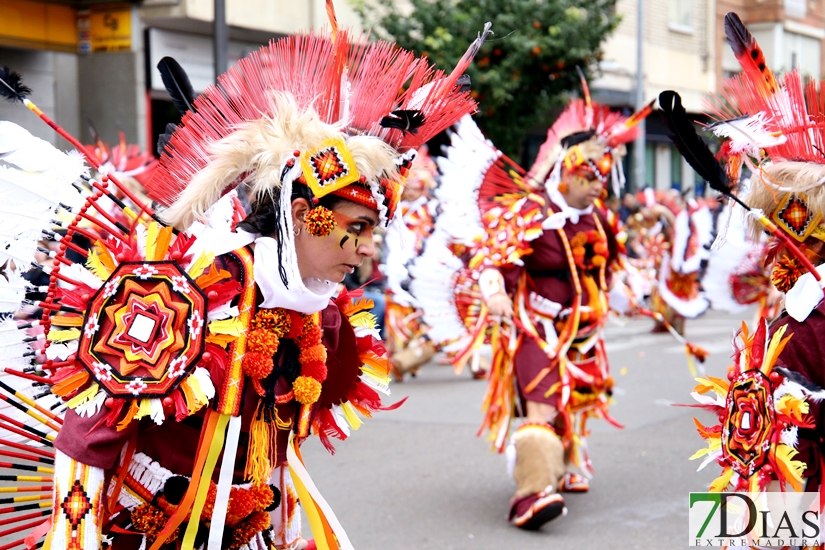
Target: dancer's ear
300	207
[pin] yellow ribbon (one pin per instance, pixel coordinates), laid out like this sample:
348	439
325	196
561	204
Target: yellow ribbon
215	448
328	532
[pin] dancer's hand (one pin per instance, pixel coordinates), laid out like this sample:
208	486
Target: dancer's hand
500	305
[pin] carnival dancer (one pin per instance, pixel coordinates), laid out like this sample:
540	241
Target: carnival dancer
773	125
736	276
682	266
442	285
549	255
195	360
407	339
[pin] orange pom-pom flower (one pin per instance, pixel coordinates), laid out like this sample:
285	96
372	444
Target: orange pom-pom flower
257	365
263	341
313	353
319	221
307	390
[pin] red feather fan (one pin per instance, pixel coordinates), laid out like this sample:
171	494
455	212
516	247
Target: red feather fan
377	78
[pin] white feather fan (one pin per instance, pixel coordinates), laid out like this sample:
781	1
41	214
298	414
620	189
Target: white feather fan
35	178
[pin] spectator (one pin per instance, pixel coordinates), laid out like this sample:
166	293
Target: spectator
629	206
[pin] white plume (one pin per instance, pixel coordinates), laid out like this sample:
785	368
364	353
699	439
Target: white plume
77	272
434	273
748	134
32	154
35	178
12	291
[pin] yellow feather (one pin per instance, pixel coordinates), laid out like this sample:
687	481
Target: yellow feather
82	397
793	407
151	241
364	319
379	379
775	348
96	266
712	384
199	398
791	469
350	415
714	443
199	265
144	409
105	256
230	327
64	335
720	483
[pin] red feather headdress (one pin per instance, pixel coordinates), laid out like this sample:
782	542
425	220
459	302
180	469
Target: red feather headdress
362	88
603	129
776	126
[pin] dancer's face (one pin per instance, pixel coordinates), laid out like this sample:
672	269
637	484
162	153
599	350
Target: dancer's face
583	187
332	257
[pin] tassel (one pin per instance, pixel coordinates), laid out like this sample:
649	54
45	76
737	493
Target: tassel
263	447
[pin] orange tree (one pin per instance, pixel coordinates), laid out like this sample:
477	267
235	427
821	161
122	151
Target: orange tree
523	70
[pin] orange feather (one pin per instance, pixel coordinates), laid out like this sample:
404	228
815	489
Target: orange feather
333	19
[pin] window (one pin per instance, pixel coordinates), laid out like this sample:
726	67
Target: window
795	8
699	185
679	14
675	169
650	165
801	52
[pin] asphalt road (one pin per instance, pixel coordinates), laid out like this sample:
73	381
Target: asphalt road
419	478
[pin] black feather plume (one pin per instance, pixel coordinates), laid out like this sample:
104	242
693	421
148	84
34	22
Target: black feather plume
463	83
163	139
404	119
177	84
11	85
683	135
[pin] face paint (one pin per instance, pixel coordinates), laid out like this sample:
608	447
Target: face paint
354	230
584	181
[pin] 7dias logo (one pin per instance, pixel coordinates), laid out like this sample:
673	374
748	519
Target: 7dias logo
770	520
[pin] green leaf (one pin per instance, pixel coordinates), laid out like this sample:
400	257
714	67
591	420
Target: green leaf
523	71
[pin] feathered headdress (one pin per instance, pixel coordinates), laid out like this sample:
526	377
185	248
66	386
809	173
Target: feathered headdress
331	111
776	126
587	134
125	160
423	170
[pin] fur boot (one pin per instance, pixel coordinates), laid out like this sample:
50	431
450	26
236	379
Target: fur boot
536	456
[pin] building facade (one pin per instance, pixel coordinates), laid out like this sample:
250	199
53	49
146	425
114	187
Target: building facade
685	50
93	63
679	52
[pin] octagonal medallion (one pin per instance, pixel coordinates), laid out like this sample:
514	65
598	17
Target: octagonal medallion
143	330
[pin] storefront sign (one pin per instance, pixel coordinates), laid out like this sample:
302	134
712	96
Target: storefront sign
105	29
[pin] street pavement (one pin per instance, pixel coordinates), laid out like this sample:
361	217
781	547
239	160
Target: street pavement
418	478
